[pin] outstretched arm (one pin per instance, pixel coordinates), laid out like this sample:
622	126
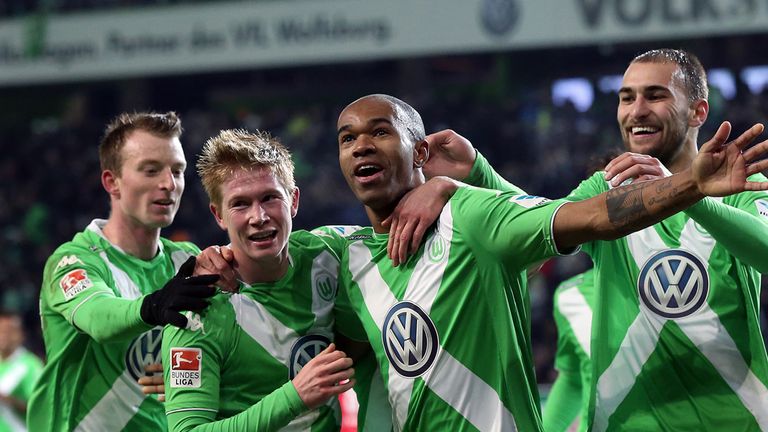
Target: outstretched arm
719	169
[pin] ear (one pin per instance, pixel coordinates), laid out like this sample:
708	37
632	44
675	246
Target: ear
111	183
295	202
217	215
699	112
420	153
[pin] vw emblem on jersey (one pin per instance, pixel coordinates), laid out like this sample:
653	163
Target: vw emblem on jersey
144	350
305	349
325	284
436	248
410	339
673	283
499	17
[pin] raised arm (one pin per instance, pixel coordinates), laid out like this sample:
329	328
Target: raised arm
719	169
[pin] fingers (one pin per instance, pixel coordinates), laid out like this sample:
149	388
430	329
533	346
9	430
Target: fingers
755	168
149	389
174	318
187	268
755	152
153	368
747	137
404	241
393	239
439	138
720	137
201	281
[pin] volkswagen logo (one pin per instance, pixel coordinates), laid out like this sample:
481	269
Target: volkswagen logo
144	350
673	283
410	339
305	349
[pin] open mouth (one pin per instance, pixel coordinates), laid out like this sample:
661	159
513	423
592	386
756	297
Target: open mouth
640	131
367	170
163	202
262	236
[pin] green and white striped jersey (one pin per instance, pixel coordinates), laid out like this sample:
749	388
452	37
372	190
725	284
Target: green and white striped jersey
572	309
93	362
231	369
676	339
18	374
451	326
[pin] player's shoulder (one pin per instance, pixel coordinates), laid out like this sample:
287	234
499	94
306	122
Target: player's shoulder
79	252
184	246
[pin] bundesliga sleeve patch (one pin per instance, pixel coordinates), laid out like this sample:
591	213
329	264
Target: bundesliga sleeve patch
74	283
762	207
186	364
528	201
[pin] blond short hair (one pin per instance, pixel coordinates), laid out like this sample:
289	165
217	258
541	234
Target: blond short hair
237	148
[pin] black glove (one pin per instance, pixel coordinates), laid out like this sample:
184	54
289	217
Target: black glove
183	292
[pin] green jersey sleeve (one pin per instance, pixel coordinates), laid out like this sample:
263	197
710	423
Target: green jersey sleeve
192	367
483	175
78	285
739	222
563	403
516	228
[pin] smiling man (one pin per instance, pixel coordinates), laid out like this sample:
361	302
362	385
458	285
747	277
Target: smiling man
106	292
450	325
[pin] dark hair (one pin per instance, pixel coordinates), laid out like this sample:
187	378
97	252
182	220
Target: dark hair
693	75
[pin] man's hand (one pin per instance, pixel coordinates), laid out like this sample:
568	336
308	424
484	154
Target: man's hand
414	214
183	292
639	167
450	154
219	260
722	168
329	374
153	383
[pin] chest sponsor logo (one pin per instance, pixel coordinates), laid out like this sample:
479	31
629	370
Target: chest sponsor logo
305	349
410	339
673	284
143	351
186	367
74	283
326	285
67	261
762	208
528	201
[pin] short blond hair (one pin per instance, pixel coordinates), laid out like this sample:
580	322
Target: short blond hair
237	148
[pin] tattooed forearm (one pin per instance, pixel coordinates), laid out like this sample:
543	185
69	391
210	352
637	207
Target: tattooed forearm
625	204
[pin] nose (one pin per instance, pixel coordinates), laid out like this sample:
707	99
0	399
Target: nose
258	215
363	146
639	107
168	181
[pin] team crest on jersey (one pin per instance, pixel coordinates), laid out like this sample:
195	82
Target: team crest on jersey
144	350
67	261
673	283
305	349
194	322
410	339
325	285
762	207
75	282
529	201
436	249
186	367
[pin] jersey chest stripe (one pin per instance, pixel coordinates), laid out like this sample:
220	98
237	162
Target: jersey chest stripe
116	408
617	380
303	423
263	327
577	312
11	419
325	269
124	284
12	378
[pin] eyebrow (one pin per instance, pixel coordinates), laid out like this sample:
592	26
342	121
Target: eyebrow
645	89
370	123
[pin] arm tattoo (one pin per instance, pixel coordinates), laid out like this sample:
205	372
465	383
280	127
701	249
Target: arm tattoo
625	204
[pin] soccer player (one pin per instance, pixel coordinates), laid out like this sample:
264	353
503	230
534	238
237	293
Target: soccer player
450	325
568	400
19	370
678	345
262	359
106	292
